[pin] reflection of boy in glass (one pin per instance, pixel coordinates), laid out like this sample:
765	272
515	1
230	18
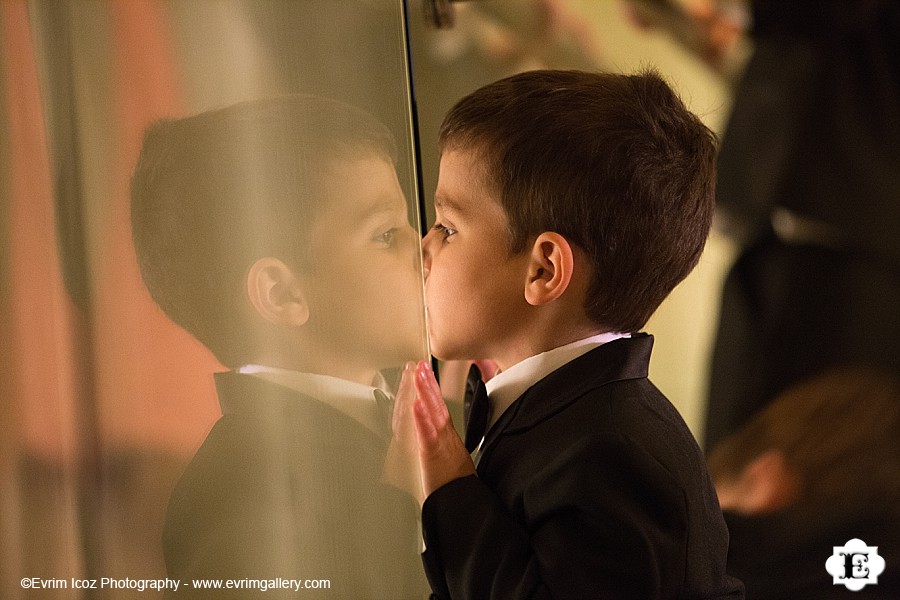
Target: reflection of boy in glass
276	232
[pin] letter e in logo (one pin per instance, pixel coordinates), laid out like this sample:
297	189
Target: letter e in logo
855	565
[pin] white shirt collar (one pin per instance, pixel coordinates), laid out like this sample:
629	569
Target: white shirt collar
505	387
353	399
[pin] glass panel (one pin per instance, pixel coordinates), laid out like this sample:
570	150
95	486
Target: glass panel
263	153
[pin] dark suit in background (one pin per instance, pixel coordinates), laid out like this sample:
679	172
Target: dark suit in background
808	175
589	486
285	486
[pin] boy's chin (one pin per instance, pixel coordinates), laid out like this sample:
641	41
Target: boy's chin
399	356
445	349
445	354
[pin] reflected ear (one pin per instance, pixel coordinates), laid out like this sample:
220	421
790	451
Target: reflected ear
550	268
765	485
276	293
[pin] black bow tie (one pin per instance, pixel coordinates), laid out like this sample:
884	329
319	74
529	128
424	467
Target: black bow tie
475	408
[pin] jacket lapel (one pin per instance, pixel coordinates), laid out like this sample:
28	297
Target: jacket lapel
621	359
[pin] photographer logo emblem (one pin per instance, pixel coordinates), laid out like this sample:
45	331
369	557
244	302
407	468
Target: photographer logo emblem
855	565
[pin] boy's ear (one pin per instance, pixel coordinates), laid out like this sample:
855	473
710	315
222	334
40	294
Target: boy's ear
550	268
276	293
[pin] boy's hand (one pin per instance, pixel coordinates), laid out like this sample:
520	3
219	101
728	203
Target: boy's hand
442	455
401	466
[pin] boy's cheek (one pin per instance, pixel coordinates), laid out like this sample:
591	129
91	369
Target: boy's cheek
432	290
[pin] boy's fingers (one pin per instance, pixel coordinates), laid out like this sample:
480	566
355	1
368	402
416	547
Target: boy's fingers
443	455
406	395
425	429
402	466
406	389
430	393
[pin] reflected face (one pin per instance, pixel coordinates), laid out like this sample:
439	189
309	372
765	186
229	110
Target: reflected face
365	290
474	288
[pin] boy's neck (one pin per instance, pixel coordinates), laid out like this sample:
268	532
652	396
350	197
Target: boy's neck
538	340
553	322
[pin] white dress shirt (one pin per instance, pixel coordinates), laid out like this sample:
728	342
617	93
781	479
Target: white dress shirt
505	387
355	400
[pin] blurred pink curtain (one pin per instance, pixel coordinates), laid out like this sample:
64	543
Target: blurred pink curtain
103	400
88	389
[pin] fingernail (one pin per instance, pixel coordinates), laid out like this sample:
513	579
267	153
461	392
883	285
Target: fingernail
422	370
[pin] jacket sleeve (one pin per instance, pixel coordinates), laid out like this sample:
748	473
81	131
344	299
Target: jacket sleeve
601	520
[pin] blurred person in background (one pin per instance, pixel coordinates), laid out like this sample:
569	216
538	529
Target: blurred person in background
819	466
808	185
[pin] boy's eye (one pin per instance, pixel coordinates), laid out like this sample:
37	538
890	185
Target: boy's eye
445	231
387	237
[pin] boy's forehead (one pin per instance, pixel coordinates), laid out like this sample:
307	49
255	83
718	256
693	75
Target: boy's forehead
462	180
364	189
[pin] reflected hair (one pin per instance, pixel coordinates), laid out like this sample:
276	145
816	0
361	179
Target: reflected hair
214	192
614	163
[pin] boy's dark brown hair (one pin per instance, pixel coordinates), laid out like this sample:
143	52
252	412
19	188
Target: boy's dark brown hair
214	192
838	432
614	163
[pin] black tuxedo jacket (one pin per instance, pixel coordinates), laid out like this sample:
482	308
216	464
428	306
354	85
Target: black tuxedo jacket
589	486
285	486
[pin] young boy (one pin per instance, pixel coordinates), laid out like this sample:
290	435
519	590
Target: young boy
568	205
276	232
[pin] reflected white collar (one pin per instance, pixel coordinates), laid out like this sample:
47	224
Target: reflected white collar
353	399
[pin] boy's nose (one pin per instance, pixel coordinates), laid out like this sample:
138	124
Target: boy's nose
426	252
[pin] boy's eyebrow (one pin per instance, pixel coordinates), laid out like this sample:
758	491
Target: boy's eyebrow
377	209
447	205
